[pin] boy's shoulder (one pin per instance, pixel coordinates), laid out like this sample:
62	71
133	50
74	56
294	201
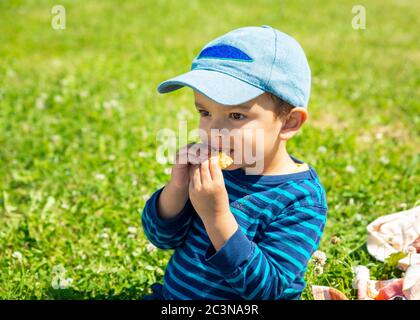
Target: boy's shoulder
306	190
302	189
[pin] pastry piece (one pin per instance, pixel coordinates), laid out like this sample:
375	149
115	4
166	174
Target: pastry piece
224	160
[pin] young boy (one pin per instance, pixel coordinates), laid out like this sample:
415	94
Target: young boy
241	233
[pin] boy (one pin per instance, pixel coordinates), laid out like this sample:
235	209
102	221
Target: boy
241	233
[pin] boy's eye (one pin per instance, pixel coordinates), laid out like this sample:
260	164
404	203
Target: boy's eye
237	116
203	113
233	115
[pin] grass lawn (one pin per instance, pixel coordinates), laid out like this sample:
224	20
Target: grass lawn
79	113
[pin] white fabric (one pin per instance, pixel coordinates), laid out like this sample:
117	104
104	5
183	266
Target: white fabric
395	233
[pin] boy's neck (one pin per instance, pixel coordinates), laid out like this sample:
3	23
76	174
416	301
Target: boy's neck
276	163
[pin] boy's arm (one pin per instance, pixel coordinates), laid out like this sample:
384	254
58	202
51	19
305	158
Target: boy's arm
167	216
171	201
264	270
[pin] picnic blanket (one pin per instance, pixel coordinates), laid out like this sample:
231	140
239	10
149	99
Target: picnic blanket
398	232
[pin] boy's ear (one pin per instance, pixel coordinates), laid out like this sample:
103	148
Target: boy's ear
294	120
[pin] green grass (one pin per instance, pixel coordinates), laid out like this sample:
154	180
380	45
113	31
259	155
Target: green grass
59	133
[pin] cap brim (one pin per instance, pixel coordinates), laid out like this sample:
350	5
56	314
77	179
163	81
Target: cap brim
220	87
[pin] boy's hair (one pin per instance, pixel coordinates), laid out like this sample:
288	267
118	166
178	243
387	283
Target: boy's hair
282	107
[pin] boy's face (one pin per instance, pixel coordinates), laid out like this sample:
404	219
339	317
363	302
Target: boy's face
246	132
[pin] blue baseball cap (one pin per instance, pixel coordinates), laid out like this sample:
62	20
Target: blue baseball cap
246	62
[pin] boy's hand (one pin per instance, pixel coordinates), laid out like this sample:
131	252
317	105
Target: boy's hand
175	193
183	159
207	190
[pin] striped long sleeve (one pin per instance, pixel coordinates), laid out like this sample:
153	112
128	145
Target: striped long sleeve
266	270
281	219
165	233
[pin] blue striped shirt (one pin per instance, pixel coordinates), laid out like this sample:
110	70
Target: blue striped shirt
281	219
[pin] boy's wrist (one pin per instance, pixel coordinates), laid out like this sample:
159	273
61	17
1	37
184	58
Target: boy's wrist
171	201
177	189
220	228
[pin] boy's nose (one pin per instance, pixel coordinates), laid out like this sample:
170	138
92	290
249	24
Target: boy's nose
220	138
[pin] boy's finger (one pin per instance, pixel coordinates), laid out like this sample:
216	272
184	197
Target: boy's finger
195	175
196	157
215	170
205	173
191	172
181	157
184	149
192	157
187	147
199	150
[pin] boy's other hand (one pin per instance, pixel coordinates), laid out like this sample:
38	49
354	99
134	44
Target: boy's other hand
192	153
207	190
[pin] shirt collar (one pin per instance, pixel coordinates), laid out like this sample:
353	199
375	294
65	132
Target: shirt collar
239	174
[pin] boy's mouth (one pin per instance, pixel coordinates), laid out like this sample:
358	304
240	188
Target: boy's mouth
228	152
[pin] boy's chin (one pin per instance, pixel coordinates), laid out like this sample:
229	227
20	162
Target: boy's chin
240	166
